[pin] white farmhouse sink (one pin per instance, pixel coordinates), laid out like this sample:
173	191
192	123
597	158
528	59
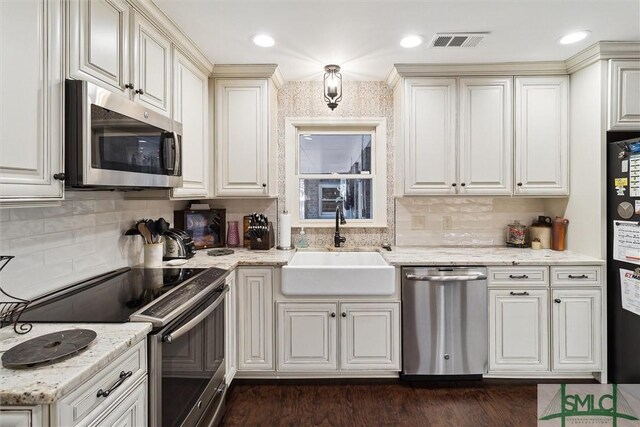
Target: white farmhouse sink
338	273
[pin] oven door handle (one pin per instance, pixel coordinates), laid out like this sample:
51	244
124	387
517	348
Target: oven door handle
169	338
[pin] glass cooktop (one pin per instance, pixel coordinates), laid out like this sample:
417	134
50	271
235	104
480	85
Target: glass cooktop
111	298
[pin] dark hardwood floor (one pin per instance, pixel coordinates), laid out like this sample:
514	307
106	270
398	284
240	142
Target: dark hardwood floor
385	403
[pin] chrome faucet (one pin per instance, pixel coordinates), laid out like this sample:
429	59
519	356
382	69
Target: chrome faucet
337	239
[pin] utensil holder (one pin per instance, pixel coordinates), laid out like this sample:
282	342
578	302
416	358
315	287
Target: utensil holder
265	243
153	254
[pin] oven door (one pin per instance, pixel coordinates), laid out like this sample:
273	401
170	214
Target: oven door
187	367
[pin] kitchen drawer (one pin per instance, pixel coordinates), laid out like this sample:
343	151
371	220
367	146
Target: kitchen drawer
578	275
75	408
514	276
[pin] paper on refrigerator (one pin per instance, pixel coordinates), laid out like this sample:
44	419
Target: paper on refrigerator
626	241
634	176
630	290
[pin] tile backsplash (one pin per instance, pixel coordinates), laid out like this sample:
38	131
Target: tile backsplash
474	221
84	236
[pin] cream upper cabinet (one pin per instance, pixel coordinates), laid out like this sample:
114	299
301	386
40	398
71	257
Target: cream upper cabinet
485	136
430	136
191	108
99	43
152	66
117	48
542	135
242	137
31	100
624	94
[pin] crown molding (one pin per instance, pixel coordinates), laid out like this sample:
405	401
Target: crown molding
249	71
602	51
171	30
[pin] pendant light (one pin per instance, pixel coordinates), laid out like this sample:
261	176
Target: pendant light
332	85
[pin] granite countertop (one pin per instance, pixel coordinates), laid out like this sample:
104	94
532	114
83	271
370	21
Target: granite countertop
399	256
48	383
491	256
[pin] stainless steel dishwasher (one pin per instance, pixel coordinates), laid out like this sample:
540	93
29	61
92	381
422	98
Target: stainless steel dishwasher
444	321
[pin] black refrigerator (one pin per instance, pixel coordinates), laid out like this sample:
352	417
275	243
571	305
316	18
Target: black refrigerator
623	256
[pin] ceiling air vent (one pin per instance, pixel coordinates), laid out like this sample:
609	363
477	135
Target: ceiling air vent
458	39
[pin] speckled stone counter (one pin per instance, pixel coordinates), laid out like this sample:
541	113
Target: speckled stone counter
484	256
399	256
242	256
48	383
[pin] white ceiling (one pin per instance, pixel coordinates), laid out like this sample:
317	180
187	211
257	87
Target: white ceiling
363	36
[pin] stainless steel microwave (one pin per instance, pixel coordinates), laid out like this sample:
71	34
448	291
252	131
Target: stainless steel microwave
113	142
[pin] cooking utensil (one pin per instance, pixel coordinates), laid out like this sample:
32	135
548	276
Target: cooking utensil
146	233
162	226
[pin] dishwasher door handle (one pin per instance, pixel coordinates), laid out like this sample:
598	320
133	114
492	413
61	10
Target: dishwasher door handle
464	278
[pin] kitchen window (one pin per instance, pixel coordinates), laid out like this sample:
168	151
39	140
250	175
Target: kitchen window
333	163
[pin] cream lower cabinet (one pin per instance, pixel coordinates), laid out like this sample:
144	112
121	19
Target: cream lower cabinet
230	335
311	336
576	320
255	319
518	330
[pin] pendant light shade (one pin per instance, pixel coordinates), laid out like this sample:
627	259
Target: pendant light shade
332	85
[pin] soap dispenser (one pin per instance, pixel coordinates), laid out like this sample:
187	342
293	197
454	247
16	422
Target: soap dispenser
303	241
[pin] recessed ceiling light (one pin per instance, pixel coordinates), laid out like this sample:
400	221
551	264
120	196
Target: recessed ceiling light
411	41
263	40
574	37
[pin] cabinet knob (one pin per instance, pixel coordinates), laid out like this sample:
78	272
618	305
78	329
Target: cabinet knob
139	91
454	184
344	314
333	315
463	184
59	176
557	300
128	86
264	185
519	184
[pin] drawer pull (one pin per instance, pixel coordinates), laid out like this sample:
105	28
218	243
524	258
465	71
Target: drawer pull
582	276
525	293
522	276
123	376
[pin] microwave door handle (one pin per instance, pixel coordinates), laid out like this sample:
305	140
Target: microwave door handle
177	155
169	338
165	148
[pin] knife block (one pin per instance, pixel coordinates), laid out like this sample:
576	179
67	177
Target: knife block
265	243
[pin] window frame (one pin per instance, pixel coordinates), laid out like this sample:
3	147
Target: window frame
295	127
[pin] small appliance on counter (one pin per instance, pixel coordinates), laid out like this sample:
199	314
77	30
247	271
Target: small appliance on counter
205	226
178	245
516	235
540	231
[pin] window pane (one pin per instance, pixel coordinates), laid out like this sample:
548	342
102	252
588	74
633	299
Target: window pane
335	153
320	197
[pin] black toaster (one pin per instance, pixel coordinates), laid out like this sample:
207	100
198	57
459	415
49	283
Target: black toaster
178	245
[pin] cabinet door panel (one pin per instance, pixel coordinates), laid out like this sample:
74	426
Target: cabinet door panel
31	100
307	336
99	42
191	108
518	330
130	412
624	94
370	336
577	329
153	67
231	331
242	137
430	164
255	319
542	136
486	136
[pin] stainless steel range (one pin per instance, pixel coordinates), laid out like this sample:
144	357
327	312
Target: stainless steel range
186	345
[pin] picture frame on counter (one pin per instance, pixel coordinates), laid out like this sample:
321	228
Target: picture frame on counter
206	227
